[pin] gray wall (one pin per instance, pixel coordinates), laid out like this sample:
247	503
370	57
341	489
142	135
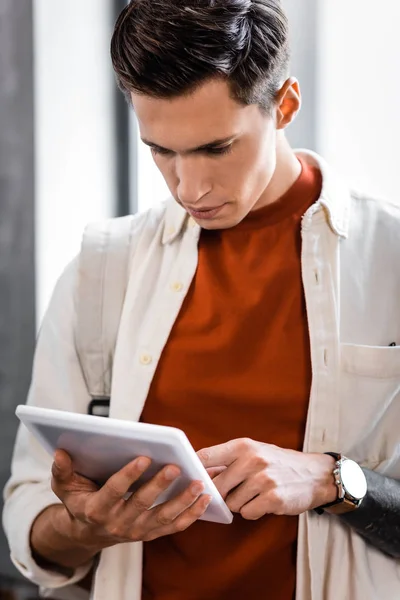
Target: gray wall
17	314
302	16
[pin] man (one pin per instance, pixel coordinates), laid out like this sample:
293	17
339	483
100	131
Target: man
261	318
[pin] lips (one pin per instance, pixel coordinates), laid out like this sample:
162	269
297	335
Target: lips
203	209
204	213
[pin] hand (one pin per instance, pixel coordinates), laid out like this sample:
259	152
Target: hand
102	518
256	479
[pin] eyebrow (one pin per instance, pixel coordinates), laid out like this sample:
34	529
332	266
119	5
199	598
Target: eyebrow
208	146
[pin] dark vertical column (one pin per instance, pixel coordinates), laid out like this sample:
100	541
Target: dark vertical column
17	269
124	188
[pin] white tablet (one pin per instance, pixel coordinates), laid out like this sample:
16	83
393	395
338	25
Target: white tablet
99	447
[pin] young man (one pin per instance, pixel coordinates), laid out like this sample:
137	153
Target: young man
261	317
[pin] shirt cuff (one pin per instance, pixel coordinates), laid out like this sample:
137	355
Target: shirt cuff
26	507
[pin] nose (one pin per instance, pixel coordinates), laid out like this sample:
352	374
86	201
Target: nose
193	181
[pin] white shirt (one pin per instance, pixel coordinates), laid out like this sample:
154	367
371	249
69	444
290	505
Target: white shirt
351	277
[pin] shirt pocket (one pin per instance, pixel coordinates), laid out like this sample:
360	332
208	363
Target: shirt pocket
369	392
379	362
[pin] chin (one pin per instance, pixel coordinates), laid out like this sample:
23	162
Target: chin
211	226
228	218
220	224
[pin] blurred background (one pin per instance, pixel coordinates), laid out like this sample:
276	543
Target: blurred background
69	148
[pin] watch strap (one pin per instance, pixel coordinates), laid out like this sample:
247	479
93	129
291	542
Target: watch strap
320	509
342	504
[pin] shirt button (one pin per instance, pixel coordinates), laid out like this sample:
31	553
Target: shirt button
170	230
145	359
177	286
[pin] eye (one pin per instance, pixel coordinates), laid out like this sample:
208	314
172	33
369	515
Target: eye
162	151
219	151
209	151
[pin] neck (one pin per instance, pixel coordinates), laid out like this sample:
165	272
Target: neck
287	171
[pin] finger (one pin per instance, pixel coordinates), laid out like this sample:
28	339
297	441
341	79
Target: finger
234	476
193	513
142	500
244	493
62	469
183	521
167	512
223	454
67	485
117	486
214	471
255	509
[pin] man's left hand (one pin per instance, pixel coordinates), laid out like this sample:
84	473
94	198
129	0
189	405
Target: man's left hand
256	479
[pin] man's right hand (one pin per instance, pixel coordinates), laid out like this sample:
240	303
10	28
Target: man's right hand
97	518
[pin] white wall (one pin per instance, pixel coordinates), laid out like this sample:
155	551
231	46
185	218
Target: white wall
358	91
151	187
74	130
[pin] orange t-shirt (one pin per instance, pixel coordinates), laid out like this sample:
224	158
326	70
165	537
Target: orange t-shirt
237	364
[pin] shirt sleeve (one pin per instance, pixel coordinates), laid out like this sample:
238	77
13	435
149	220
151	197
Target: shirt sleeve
57	383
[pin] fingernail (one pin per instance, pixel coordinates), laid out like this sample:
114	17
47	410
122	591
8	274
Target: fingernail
171	473
56	460
197	488
143	463
208	502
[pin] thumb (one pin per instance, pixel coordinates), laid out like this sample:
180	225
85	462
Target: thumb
62	469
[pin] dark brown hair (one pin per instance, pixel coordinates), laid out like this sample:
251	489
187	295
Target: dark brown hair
167	48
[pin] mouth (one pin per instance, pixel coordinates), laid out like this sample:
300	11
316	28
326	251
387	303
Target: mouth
204	213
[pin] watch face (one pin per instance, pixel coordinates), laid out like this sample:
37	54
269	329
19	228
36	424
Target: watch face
353	479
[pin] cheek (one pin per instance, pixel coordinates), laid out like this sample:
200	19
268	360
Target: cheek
264	164
252	171
167	170
242	175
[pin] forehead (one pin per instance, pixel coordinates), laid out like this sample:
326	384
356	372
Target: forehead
209	112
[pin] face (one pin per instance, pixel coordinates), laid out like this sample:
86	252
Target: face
217	156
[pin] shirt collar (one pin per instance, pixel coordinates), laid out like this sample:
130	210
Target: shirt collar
334	198
176	218
335	193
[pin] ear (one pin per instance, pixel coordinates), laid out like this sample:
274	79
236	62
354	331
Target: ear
288	103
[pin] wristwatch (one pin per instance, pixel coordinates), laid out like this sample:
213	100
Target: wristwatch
351	483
